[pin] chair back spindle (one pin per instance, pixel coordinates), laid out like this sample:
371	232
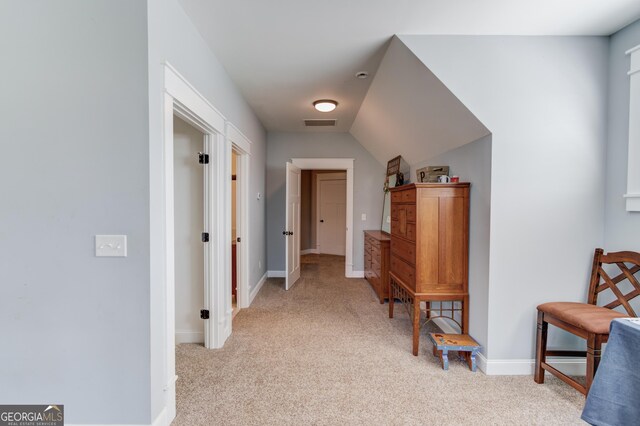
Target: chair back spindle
601	281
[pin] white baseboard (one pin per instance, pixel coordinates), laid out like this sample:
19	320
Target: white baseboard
160	420
276	274
257	288
526	367
517	367
309	251
350	273
189	337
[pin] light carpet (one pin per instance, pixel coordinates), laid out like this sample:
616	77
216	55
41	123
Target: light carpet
326	353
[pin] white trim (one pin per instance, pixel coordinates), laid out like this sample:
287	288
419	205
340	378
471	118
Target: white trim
633	154
310	251
160	420
238	138
526	367
515	367
183	100
354	274
633	49
276	274
181	90
481	362
633	202
189	337
257	288
242	146
336	164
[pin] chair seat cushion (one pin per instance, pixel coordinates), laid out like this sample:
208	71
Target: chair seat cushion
593	319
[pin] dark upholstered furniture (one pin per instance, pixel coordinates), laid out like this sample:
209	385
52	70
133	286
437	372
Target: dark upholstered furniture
587	320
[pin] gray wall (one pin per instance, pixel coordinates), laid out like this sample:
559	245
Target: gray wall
368	183
73	164
472	162
174	39
622	228
544	100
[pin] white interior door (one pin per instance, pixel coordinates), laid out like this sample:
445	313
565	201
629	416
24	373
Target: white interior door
332	218
292	231
189	185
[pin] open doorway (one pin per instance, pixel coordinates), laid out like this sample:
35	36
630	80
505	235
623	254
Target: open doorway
323	212
333	184
218	136
237	255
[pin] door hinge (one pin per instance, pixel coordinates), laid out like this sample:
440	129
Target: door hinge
205	237
204	314
203	158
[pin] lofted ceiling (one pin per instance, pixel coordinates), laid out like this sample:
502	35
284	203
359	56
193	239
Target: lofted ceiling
410	107
284	54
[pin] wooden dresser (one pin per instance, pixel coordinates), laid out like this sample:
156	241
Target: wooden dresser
430	251
376	262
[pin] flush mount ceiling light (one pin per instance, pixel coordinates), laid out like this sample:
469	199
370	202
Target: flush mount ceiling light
362	75
325	105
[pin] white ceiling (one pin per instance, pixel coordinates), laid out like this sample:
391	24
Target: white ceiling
284	54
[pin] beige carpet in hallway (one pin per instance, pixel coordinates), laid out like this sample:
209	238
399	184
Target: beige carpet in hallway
326	353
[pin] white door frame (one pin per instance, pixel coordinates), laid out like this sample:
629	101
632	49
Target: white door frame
337	164
242	145
319	178
183	100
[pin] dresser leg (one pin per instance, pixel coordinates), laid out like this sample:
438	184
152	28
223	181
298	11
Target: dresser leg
391	303
416	326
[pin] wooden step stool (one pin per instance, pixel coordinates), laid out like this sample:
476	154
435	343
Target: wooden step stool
462	343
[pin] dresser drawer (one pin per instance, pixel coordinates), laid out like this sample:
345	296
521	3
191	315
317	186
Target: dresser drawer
411	212
375	252
404	271
408	232
404	249
406	196
375	265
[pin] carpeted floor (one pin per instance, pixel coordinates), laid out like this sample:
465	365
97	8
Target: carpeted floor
326	353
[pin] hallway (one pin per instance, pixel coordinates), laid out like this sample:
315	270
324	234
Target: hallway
326	353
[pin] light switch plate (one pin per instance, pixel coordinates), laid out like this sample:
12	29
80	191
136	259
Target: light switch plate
363	216
111	245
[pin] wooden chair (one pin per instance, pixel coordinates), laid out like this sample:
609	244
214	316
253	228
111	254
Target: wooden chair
587	320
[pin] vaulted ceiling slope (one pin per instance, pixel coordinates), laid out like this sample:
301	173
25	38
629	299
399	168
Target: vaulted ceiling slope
284	54
408	111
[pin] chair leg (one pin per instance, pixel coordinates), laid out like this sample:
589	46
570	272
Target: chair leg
594	353
541	348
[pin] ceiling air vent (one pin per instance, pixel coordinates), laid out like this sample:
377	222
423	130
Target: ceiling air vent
320	122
